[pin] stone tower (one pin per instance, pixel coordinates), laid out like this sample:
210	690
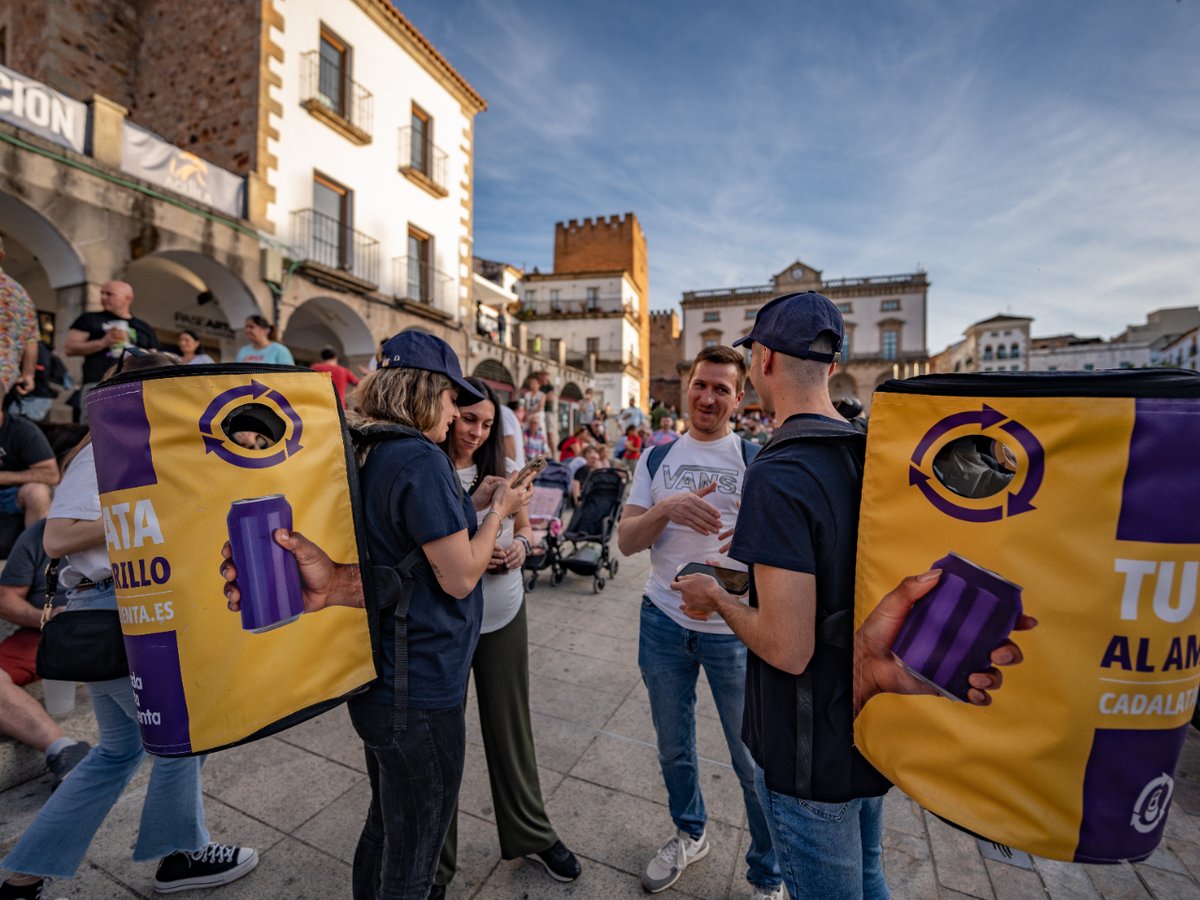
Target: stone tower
605	245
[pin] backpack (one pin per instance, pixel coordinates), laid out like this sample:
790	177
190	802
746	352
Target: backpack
656	455
389	587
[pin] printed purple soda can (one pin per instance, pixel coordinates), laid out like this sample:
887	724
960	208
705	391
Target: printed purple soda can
952	631
267	575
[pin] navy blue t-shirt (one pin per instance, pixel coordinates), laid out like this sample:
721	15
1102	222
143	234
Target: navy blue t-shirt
412	496
800	512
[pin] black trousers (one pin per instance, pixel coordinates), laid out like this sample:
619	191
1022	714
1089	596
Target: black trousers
415	776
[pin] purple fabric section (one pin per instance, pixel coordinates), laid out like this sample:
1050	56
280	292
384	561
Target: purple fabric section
158	690
953	629
121	435
1127	790
1162	492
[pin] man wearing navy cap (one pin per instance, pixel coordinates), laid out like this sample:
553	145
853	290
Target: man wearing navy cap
797	531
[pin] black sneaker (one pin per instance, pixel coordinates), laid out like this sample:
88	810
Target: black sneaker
61	764
215	865
559	862
33	891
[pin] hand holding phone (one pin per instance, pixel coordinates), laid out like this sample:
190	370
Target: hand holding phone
733	581
530	471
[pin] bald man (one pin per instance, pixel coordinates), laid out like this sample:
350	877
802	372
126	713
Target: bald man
100	337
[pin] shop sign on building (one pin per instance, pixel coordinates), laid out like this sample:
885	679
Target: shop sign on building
147	156
31	105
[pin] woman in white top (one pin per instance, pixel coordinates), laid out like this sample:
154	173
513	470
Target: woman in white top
501	662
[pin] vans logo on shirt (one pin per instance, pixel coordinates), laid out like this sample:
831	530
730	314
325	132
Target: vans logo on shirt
691	478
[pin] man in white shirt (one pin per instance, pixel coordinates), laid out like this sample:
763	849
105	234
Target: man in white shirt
683	503
514	437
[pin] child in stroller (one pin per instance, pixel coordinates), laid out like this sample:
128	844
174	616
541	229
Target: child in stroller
545	514
593	524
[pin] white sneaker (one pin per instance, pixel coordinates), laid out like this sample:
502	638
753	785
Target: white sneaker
672	858
762	893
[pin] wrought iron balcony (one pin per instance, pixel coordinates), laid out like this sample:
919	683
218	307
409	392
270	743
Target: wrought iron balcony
335	247
576	306
423	161
329	93
420	283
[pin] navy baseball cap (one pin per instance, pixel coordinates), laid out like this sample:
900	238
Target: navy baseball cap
791	323
418	350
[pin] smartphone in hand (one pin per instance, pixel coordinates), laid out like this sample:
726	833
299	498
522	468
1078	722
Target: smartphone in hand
531	470
733	581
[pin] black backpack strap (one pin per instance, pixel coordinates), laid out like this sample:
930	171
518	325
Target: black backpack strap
394	587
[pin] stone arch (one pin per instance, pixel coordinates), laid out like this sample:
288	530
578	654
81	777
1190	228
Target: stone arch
178	289
495	371
327	322
54	252
571	391
842	385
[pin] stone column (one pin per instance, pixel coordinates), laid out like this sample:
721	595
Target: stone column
108	126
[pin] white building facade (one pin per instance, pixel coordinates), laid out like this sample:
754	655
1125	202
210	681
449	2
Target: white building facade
590	321
372	130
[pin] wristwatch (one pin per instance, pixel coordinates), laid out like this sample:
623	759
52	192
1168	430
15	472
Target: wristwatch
524	540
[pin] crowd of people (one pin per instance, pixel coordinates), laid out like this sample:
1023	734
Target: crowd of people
442	506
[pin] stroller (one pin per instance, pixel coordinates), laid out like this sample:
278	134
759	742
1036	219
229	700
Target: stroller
550	491
593	523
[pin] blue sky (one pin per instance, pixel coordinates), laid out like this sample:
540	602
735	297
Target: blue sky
1039	158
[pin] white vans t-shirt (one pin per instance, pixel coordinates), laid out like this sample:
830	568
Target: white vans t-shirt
689	465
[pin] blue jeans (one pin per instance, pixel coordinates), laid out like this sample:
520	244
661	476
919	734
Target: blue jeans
55	843
415	776
670	657
830	851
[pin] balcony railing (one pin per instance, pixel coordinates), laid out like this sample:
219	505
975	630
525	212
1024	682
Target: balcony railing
577	306
335	246
420	156
578	358
421	283
329	87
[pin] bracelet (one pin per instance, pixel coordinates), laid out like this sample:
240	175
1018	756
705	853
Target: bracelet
499	519
524	540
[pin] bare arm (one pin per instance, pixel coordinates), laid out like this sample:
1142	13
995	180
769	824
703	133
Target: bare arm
77	343
28	367
66	536
459	562
781	631
16	609
44	472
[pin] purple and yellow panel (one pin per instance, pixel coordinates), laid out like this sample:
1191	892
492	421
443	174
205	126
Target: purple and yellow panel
1082	512
185	463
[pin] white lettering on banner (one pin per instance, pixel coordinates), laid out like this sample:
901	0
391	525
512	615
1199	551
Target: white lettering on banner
30	103
1136	570
145	525
1113	704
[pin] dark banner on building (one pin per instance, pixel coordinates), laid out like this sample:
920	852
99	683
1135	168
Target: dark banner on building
31	105
147	156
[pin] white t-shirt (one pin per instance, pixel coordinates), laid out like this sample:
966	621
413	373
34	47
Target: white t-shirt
690	464
512	429
78	497
502	592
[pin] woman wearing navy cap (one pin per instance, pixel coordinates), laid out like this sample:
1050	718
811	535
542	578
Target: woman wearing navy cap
419	519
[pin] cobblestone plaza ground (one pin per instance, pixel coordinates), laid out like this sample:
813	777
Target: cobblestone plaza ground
300	797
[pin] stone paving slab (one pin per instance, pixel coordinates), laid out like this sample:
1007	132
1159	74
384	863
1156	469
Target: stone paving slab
300	797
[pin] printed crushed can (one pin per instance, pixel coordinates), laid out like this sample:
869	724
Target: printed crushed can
1072	497
188	457
268	576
